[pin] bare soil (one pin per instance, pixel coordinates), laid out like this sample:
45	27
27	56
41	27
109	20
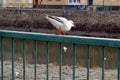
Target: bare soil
99	24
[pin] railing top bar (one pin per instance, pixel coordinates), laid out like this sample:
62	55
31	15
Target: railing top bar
61	38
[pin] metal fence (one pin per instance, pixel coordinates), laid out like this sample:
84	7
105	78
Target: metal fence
74	40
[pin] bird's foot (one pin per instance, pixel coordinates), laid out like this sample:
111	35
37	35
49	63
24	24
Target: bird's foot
62	33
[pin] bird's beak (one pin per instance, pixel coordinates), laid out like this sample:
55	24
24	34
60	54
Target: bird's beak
74	26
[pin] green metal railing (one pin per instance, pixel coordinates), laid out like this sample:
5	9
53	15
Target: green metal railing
104	42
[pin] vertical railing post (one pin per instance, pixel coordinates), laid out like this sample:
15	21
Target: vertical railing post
118	63
103	62
74	60
24	60
47	60
60	48
88	61
12	59
2	58
35	58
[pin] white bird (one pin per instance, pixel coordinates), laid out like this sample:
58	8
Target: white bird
60	23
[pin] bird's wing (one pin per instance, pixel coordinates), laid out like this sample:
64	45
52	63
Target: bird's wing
56	18
64	20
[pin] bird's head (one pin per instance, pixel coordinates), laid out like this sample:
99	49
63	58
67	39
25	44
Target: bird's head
72	23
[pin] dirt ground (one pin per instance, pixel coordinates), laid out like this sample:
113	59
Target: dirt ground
99	24
66	72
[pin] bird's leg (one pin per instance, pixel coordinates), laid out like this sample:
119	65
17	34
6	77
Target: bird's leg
63	33
55	31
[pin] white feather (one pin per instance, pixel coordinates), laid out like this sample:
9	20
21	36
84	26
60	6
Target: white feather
65	49
16	73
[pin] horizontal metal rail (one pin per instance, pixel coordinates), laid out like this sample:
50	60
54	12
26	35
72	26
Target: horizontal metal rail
59	38
103	42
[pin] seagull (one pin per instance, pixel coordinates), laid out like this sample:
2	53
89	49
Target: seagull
60	23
